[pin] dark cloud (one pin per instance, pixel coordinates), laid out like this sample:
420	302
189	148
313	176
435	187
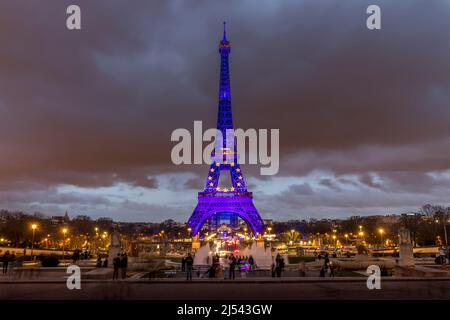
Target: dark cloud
329	184
96	108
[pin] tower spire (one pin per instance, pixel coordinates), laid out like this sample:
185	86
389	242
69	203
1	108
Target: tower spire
224	116
224	39
234	200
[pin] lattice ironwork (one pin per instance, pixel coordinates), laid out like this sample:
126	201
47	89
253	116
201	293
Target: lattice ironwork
236	199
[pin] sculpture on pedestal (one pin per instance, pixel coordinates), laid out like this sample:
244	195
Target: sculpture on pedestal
114	247
406	248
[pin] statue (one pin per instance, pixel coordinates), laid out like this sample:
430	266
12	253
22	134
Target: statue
115	239
404	236
114	247
405	247
362	251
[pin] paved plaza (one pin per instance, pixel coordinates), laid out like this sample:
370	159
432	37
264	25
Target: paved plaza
260	289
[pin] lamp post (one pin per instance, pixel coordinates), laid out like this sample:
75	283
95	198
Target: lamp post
64	231
33	228
361	234
444	218
381	231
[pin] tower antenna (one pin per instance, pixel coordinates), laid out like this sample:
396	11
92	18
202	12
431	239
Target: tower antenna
224	31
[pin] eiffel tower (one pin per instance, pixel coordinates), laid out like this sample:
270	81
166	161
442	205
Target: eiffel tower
235	200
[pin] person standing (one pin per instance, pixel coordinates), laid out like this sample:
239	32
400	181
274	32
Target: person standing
226	268
105	262
99	262
326	260
5	262
183	264
124	265
189	262
251	262
14	262
279	265
442	255
332	267
302	269
322	272
232	262
116	265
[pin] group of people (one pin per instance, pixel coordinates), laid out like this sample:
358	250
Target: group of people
120	262
278	266
319	255
7	259
328	267
226	267
78	254
102	261
442	256
222	267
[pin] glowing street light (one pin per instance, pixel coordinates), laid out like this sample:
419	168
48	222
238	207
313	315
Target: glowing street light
33	227
64	231
381	231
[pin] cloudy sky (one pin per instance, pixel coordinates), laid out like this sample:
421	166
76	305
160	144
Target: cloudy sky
86	116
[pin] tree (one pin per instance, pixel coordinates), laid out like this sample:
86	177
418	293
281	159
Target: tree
441	216
412	223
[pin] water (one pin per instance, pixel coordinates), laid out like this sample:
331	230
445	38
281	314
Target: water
203	255
261	255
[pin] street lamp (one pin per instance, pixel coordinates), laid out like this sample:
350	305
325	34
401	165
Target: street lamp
335	242
444	222
381	231
64	231
33	227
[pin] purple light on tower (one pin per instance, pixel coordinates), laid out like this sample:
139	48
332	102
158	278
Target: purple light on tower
237	199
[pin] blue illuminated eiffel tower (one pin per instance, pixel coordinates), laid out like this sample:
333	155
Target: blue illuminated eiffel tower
235	200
